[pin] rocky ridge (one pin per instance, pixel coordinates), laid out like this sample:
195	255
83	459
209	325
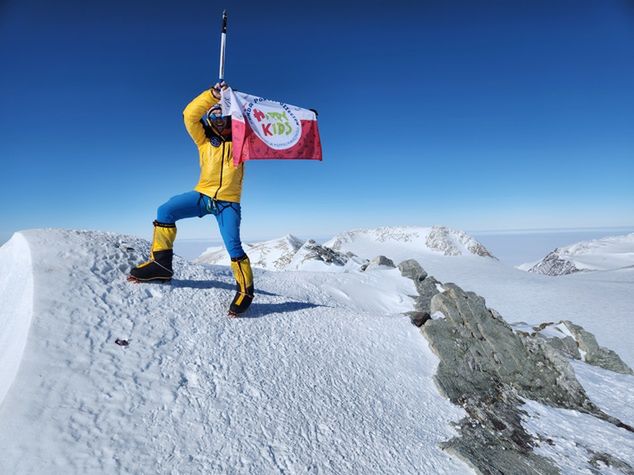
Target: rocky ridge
490	369
310	256
554	264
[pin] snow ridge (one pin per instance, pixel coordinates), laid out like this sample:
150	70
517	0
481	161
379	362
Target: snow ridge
16	311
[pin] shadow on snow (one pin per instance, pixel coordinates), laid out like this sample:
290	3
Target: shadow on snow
258	310
211	284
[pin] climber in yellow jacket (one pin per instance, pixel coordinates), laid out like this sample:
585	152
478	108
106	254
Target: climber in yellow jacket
217	192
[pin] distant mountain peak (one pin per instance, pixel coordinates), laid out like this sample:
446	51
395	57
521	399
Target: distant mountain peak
437	239
275	254
607	253
453	242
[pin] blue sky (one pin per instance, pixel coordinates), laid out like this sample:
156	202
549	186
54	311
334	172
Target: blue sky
473	114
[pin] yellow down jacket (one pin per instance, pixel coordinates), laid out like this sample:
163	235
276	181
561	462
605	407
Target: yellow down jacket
219	178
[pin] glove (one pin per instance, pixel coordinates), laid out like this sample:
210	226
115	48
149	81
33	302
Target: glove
218	88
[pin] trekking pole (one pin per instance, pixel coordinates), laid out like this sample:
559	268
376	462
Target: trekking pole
223	44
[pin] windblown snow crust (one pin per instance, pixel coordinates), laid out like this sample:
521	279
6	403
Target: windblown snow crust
322	376
16	309
614	252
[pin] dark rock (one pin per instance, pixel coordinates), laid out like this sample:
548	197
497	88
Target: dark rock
487	369
313	251
594	354
566	346
379	261
426	287
553	265
600	458
418	319
412	270
426	291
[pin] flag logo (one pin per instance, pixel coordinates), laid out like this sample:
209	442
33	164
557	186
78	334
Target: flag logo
274	124
263	129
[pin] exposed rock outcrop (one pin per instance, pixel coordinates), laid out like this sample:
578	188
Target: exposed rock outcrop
452	243
377	262
575	342
553	264
287	253
488	369
311	251
426	288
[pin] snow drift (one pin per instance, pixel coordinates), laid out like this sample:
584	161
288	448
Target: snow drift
16	308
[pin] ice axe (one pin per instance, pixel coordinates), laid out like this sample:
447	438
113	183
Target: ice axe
223	44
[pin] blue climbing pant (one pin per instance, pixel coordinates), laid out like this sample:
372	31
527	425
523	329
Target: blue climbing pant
192	204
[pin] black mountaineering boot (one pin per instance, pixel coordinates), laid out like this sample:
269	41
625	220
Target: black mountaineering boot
159	267
244	279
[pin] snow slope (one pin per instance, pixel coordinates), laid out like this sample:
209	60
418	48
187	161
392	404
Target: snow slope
607	253
324	376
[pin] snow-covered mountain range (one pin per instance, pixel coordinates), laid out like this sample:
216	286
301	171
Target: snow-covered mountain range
325	374
398	242
353	248
607	253
275	254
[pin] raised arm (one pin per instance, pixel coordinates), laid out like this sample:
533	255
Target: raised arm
194	111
